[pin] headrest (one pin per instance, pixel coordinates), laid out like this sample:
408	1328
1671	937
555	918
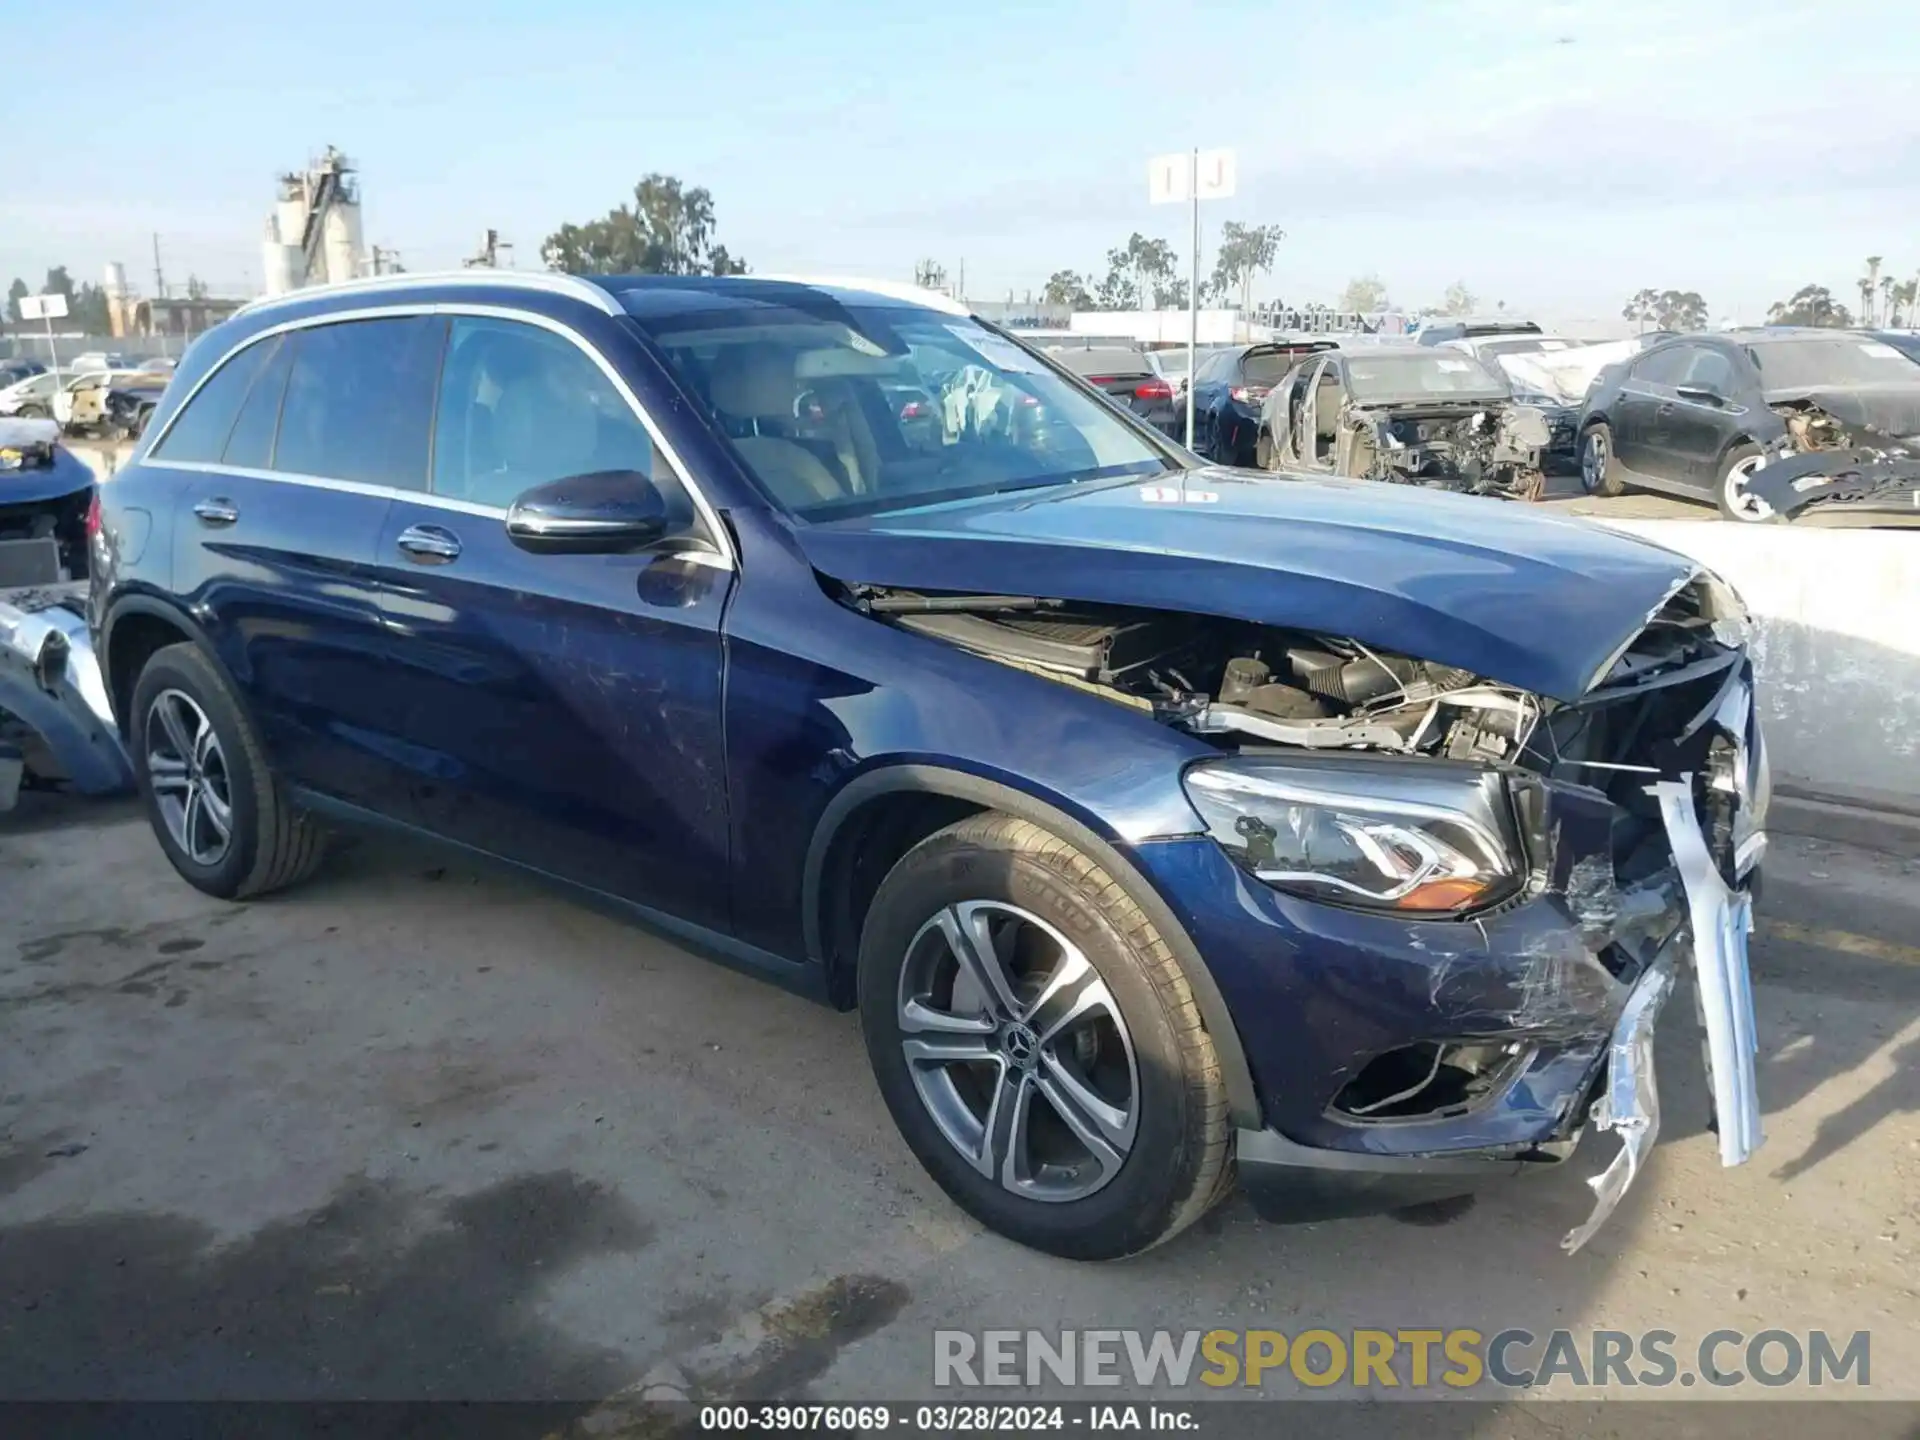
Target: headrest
753	382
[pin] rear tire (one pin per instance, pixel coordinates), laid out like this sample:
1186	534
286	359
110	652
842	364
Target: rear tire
1133	1042
206	773
1599	471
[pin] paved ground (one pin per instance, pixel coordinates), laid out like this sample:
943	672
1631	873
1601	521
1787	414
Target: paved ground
418	1131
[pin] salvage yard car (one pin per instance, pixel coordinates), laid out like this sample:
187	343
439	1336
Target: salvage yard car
1772	424
1409	414
1126	376
1230	389
1164	822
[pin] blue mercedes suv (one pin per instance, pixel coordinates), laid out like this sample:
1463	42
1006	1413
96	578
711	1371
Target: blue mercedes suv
1166	823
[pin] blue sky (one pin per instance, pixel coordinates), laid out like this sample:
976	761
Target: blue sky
1553	155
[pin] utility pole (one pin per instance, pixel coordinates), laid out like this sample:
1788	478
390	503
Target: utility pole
159	279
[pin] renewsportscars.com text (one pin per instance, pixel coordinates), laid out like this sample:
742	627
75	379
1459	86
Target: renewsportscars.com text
1413	1359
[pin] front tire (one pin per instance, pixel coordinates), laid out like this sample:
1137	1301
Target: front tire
221	817
1037	1043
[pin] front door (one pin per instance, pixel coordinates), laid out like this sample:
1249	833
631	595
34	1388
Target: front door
562	711
1703	420
293	449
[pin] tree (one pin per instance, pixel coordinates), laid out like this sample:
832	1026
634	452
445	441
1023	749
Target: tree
1065	287
667	230
1139	273
196	288
1810	305
1901	301
1869	282
1245	251
16	292
1364	294
58	283
1458	300
1667	310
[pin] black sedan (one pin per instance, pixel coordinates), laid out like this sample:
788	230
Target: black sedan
1229	391
1702	415
1127	378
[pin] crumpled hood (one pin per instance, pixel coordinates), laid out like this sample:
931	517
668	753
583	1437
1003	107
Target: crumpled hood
1894	409
1535	601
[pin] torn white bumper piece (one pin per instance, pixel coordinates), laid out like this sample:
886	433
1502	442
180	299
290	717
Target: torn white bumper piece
1719	919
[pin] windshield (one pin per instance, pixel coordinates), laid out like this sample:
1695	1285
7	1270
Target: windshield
852	409
1841	360
1270	367
1446	375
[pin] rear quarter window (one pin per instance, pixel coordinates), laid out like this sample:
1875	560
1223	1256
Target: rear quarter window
199	433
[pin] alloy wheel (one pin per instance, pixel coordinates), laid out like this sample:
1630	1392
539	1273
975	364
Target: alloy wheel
1018	1051
1593	462
187	772
1740	500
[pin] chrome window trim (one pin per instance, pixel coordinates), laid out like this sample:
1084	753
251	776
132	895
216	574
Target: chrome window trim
709	517
547	281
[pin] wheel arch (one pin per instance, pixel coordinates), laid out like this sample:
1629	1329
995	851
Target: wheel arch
134	628
830	896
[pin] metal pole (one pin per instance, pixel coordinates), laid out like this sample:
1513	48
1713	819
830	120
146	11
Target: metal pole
1193	288
53	360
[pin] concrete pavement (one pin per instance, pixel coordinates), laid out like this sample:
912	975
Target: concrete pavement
415	1130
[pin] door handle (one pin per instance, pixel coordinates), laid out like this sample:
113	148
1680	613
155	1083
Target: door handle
429	545
217	510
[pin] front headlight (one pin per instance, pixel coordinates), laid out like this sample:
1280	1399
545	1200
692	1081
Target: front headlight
1425	837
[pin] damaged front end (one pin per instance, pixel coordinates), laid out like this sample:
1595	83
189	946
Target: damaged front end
1486	893
1833	471
1491	449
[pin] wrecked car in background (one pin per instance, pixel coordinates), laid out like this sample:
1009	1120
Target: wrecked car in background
1418	415
55	726
1165	822
44	494
1772	424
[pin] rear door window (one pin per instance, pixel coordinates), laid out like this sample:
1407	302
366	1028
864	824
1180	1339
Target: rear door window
359	401
1666	366
199	433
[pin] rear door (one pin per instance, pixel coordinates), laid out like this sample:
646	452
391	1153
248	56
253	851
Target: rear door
293	451
1645	405
560	710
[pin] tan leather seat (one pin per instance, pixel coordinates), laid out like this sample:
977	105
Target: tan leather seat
751	386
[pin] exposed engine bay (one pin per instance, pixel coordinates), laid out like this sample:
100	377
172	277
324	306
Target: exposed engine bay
1241	685
1837	470
44	496
1492	450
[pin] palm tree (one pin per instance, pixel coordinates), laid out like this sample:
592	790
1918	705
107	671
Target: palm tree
1886	299
1868	283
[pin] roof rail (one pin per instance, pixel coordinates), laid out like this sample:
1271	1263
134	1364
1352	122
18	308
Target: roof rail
547	280
892	289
